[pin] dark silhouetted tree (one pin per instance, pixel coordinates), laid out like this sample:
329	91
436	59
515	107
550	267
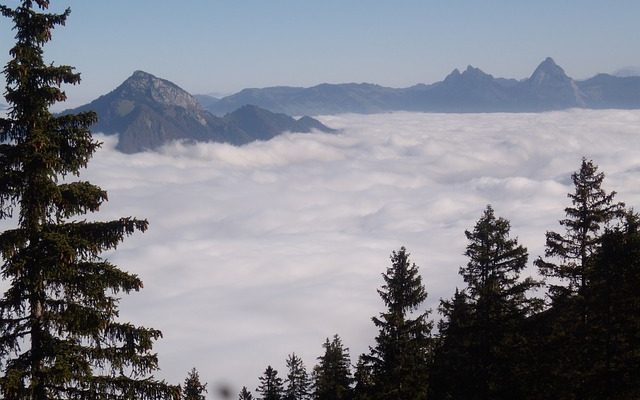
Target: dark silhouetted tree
496	305
193	389
402	355
270	385
297	381
332	376
613	335
58	317
453	364
245	394
591	210
363	377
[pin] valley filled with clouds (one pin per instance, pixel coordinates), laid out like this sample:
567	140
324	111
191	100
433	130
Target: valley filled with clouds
258	251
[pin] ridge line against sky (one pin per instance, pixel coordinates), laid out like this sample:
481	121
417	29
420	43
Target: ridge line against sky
224	46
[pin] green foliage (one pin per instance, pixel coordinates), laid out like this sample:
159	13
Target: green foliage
297	382
193	389
60	335
401	359
270	385
332	376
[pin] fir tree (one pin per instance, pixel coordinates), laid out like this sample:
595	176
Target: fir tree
332	376
193	388
60	338
453	360
297	382
245	394
499	302
613	335
402	355
363	377
591	211
270	385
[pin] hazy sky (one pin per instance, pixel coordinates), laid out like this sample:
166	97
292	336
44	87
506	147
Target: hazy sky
258	251
223	46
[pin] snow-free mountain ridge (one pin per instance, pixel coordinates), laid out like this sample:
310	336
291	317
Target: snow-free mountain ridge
548	88
148	112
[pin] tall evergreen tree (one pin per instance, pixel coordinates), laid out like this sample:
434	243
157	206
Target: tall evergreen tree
270	385
193	389
402	355
613	335
363	377
297	382
591	210
60	338
499	302
453	365
332	376
245	394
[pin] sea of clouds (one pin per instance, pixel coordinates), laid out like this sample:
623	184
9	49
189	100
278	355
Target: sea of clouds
258	251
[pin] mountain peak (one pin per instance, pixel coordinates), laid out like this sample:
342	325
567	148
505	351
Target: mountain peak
548	70
144	85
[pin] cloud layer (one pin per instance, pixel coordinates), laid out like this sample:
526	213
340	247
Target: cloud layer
258	251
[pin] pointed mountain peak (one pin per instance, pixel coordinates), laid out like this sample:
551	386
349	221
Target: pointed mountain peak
455	74
473	72
143	85
548	70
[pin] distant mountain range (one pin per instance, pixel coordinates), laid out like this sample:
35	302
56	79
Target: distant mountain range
548	88
148	112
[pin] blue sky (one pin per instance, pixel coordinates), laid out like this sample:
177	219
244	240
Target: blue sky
210	46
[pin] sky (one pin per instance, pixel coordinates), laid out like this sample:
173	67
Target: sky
222	47
258	251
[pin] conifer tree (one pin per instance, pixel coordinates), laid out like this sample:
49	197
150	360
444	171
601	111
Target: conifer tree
613	336
499	302
591	210
270	385
402	355
193	388
297	382
363	377
453	364
60	337
245	394
332	376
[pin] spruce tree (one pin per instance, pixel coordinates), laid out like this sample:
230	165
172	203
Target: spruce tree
402	355
270	385
332	376
60	337
499	302
453	365
245	394
193	388
297	381
613	335
591	210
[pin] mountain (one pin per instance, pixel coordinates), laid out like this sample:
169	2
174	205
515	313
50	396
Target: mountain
147	112
548	88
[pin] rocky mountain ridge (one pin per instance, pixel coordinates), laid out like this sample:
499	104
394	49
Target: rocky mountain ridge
148	112
547	88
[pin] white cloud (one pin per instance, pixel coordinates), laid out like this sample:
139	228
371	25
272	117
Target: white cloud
257	251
